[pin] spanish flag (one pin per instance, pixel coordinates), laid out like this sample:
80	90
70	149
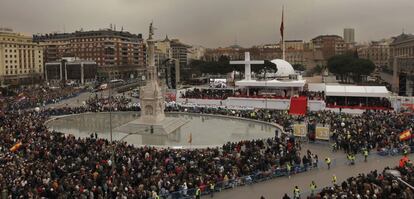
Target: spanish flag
190	138
16	147
405	135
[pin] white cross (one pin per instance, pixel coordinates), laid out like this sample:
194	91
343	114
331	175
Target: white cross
247	62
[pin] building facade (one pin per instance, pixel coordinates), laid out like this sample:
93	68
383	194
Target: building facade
106	47
180	52
71	70
293	45
376	51
21	60
330	45
401	64
109	48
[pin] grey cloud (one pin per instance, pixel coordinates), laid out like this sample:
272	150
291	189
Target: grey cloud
214	23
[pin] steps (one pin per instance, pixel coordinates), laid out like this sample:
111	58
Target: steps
298	105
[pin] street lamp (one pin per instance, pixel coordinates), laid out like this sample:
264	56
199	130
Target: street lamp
110	126
396	174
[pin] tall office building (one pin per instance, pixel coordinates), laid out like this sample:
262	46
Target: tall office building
21	60
349	35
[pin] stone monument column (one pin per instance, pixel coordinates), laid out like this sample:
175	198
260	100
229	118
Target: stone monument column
151	97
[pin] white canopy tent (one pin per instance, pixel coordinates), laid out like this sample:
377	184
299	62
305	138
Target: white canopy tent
356	91
272	83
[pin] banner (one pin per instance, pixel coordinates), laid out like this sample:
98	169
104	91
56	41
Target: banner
322	133
299	130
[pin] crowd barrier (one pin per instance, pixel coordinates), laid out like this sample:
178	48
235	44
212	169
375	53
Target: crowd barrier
240	181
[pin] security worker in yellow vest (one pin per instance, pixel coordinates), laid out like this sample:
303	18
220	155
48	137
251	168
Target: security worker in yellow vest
313	187
198	193
211	186
334	179
366	154
288	168
351	158
328	162
296	193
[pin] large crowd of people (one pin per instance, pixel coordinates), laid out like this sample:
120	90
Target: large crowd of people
37	97
36	162
376	185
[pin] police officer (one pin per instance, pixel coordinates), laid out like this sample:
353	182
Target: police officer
366	154
288	168
313	187
328	162
198	193
296	193
334	179
211	185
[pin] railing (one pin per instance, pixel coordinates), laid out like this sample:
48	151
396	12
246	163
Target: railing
240	181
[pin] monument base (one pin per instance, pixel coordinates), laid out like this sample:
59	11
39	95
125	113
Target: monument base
164	127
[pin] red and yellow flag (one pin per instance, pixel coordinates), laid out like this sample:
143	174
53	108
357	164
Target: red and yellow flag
405	135
16	147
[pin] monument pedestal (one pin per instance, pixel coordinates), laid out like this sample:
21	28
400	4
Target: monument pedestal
142	127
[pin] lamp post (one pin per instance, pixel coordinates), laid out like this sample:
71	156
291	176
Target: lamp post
265	87
110	126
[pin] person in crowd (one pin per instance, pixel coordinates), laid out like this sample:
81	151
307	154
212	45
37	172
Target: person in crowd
296	193
328	162
313	187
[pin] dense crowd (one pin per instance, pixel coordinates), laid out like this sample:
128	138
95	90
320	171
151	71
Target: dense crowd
37	97
38	163
375	185
377	130
116	103
200	93
35	162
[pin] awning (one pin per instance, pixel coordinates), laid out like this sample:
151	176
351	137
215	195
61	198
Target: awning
316	87
356	91
271	83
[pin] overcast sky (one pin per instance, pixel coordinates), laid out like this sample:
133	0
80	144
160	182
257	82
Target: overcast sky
214	23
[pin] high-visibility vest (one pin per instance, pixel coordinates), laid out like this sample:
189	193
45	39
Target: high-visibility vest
211	186
198	192
334	179
288	167
296	191
366	153
312	186
328	160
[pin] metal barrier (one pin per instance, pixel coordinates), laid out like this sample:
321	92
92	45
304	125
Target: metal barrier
240	181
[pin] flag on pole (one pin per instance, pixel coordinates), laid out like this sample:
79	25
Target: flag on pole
405	135
190	138
282	25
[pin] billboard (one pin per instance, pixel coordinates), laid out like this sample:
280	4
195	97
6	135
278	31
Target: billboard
322	133
299	130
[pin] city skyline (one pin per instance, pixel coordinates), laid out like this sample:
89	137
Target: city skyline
214	23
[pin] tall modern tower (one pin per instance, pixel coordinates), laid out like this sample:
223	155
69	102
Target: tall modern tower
349	35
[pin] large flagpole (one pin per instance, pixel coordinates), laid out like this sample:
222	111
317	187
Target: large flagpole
282	30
